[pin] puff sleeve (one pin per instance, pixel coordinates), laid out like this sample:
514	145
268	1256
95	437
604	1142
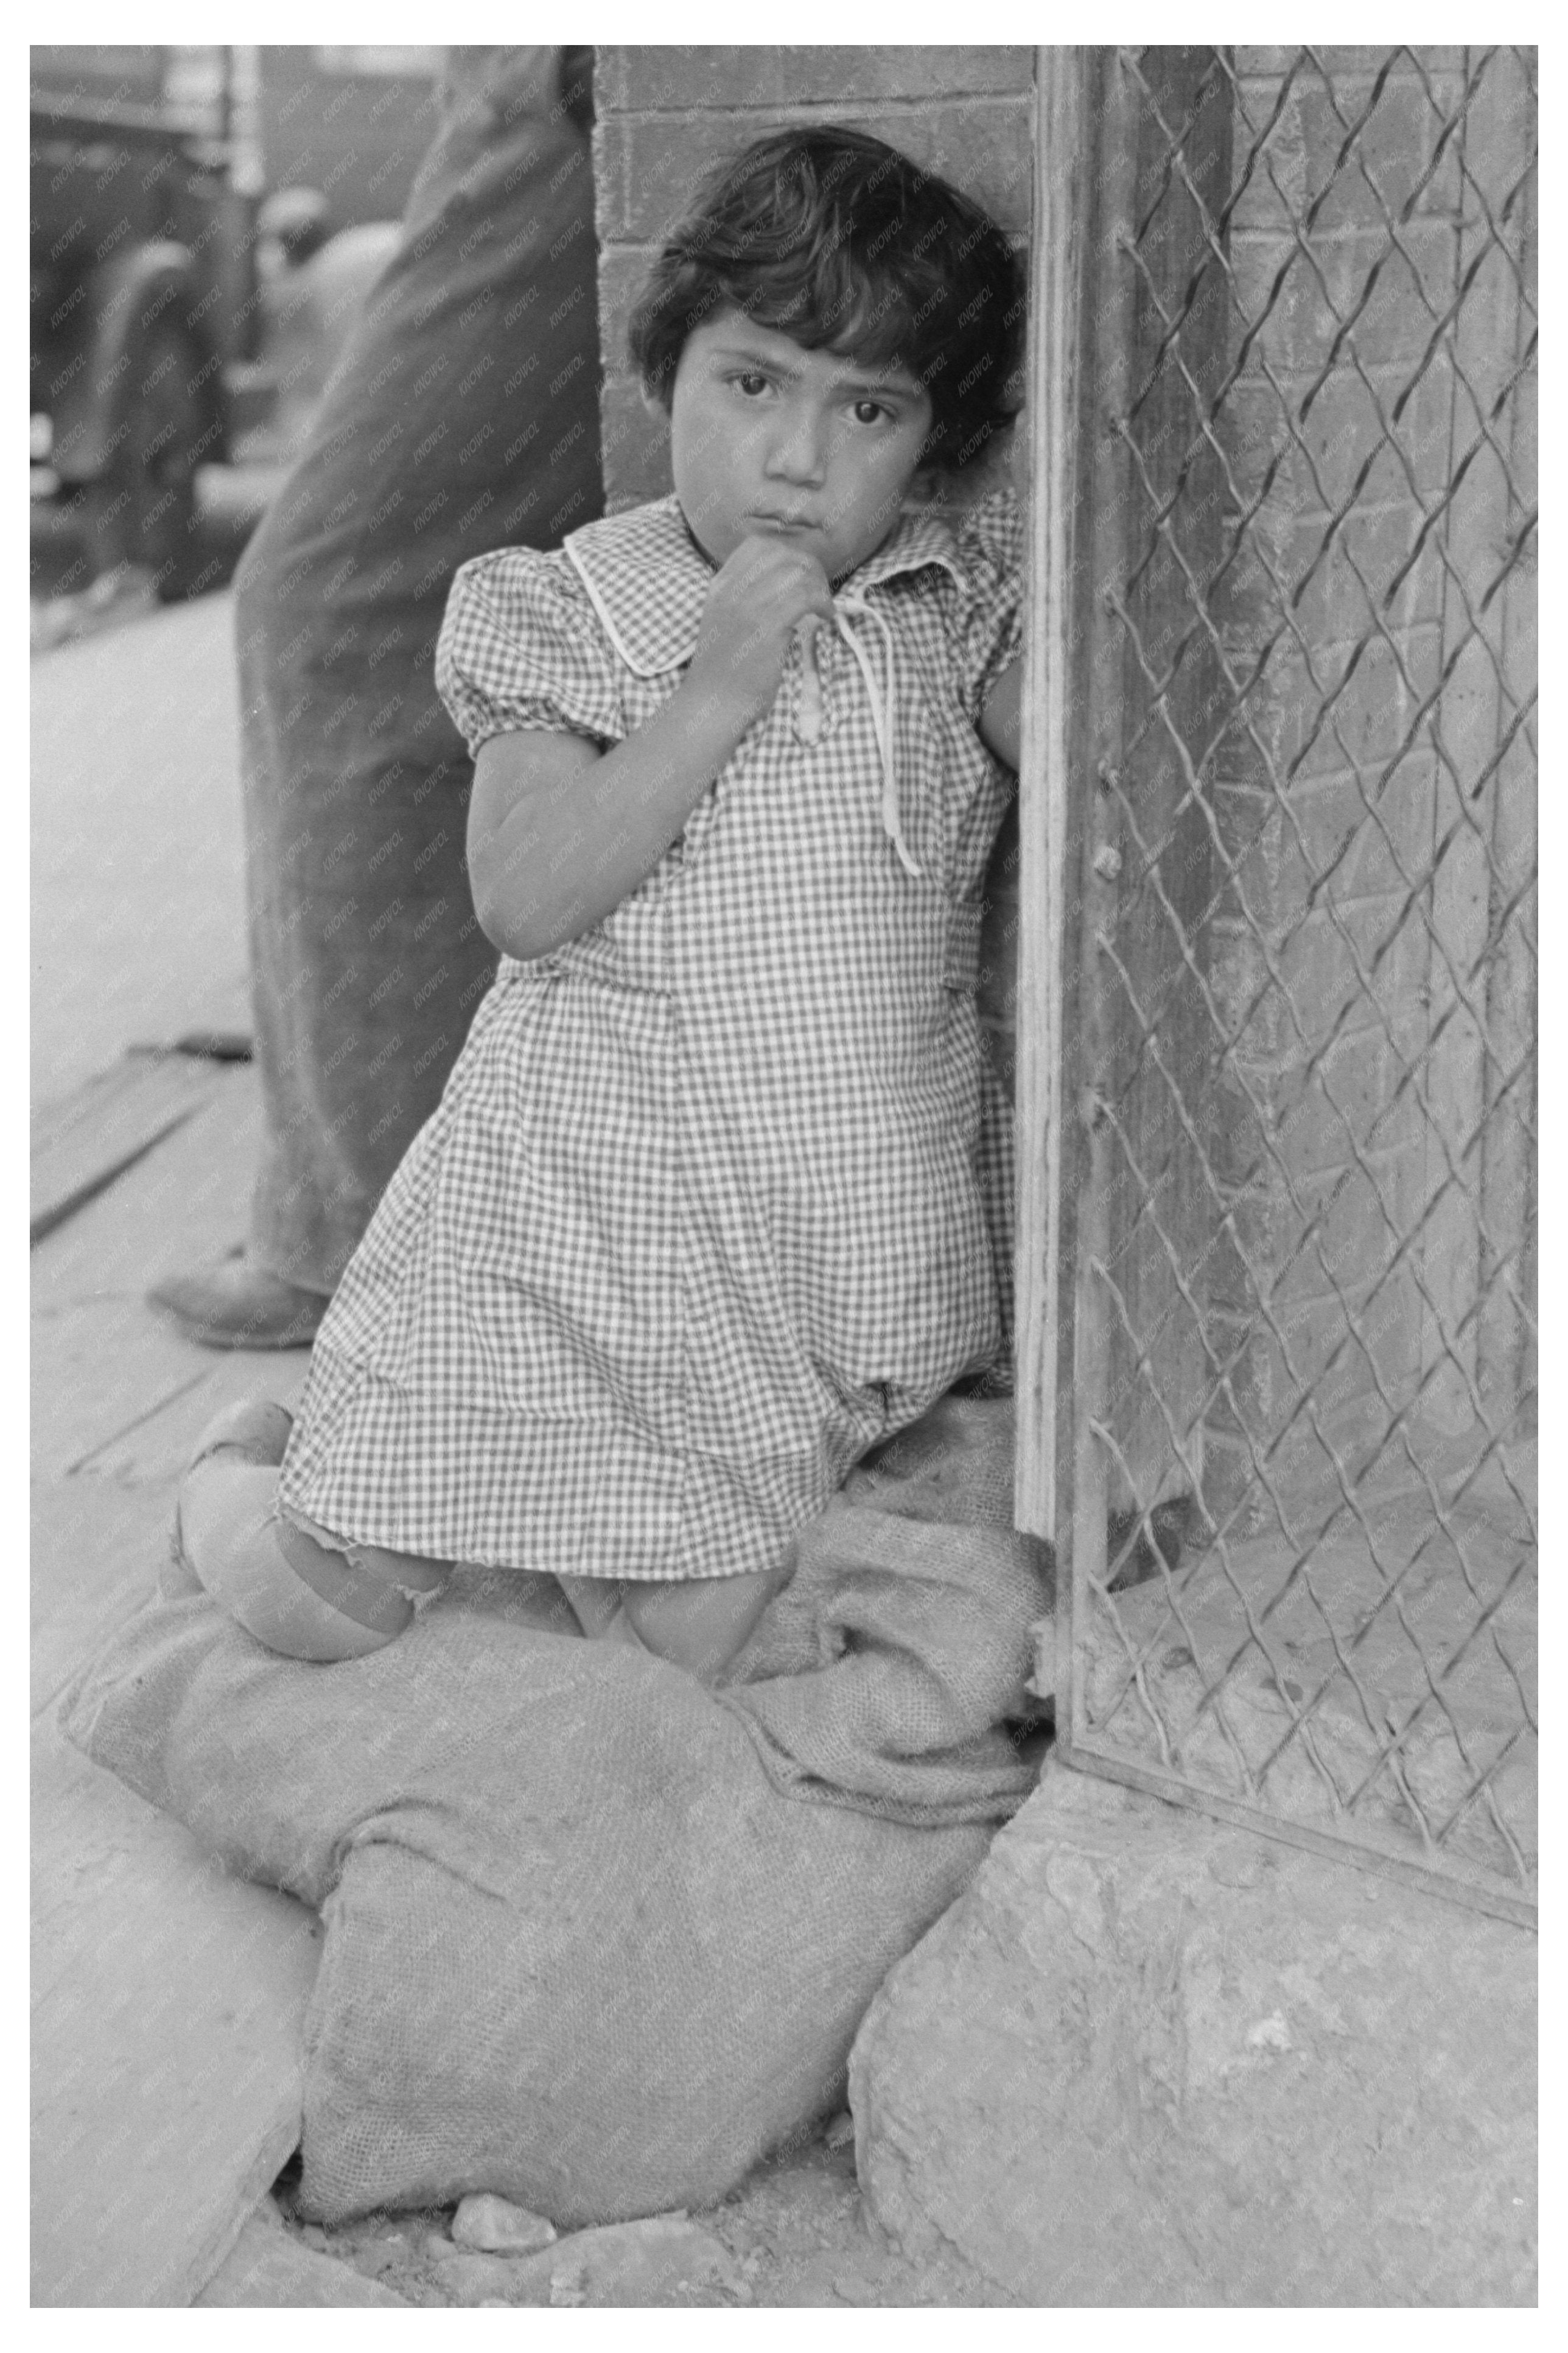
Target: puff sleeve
990	620
521	646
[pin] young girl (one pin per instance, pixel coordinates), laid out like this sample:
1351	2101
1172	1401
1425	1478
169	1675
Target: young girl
701	1216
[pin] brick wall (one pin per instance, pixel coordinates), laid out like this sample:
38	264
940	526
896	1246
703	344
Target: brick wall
666	114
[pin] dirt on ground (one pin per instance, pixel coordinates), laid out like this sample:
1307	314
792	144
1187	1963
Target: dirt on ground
797	2229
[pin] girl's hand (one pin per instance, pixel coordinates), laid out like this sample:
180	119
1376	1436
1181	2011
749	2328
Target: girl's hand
561	831
758	597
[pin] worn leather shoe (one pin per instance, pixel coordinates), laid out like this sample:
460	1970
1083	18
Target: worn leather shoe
238	1304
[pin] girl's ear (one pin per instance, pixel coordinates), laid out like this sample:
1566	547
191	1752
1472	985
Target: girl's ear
655	406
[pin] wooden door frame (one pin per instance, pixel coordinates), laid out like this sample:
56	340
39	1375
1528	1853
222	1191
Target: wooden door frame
1074	90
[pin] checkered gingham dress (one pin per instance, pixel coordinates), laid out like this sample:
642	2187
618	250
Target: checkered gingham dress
702	1214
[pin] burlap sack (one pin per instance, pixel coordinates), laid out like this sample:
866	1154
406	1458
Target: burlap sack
597	1936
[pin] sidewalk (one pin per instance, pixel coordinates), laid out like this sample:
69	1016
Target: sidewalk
138	904
167	2000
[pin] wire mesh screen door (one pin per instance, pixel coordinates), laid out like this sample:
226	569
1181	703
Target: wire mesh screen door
1278	1216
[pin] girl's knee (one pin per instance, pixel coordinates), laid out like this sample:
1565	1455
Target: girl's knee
700	1624
293	1588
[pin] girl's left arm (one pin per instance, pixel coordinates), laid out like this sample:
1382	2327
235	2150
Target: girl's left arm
1001	719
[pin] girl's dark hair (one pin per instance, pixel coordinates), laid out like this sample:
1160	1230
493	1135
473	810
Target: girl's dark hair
843	244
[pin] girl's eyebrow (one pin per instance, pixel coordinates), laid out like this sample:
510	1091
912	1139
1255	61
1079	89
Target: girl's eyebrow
766	360
895	385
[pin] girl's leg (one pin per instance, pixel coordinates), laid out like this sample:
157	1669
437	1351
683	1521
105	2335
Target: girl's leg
594	1602
297	1587
700	1623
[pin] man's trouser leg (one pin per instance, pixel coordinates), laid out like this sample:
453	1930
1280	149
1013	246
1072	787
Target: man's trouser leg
464	416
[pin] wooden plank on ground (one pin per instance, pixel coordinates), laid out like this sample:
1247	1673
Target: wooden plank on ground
187	1204
98	1364
101	1355
81	1147
157	1445
118	1391
266	2266
101	1529
168	2013
168	1999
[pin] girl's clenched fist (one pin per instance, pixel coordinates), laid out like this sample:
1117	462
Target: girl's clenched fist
758	597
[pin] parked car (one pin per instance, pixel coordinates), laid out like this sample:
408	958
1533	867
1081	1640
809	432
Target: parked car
143	301
178	316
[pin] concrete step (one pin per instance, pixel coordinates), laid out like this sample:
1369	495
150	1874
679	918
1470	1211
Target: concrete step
266	2266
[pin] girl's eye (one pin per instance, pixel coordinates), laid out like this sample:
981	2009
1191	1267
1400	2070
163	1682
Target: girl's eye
867	412
752	383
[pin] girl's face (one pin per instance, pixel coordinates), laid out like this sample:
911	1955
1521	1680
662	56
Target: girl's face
811	446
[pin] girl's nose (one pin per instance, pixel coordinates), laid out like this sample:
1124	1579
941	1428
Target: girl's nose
796	453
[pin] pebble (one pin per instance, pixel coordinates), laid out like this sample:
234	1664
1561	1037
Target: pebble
853	2289
633	2263
472	2278
1240	1864
617	2263
375	2256
496	2226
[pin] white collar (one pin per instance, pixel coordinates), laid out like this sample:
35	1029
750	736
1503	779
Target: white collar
647	580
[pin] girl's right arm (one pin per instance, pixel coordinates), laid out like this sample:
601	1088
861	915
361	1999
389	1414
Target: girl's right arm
559	832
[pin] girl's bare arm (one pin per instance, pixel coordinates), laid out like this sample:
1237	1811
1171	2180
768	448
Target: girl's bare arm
559	832
1001	721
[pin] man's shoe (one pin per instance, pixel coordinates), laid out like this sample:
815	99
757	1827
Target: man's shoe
238	1304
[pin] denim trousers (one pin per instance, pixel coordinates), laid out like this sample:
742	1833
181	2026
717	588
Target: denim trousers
463	414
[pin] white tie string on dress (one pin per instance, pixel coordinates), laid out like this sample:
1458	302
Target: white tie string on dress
808	724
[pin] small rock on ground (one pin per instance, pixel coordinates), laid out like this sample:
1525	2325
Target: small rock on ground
794	2228
469	2277
495	2225
634	2263
619	2264
852	2289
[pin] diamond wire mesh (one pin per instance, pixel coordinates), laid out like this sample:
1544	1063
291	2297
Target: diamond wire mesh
1305	1382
